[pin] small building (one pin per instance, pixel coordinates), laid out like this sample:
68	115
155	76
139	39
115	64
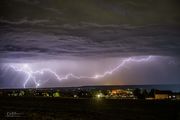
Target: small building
163	94
178	97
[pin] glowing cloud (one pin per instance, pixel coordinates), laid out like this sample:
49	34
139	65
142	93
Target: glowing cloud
31	74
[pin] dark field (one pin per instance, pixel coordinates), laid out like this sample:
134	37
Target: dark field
37	108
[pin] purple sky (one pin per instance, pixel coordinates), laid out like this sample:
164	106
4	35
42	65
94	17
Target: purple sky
88	38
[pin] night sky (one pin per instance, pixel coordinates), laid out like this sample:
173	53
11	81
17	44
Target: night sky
88	38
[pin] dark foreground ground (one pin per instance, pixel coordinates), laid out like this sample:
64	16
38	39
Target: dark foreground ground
87	109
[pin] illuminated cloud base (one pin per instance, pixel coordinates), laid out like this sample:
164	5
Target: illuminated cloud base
31	74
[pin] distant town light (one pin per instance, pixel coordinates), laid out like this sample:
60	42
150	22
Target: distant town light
75	96
99	95
56	94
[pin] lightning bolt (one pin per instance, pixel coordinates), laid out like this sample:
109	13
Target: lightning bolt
31	75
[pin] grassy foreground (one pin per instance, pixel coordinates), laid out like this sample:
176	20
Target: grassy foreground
37	108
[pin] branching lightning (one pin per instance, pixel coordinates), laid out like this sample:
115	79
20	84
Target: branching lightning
31	75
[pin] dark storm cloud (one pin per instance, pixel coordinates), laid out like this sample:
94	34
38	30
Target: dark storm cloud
23	21
94	11
91	40
48	28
